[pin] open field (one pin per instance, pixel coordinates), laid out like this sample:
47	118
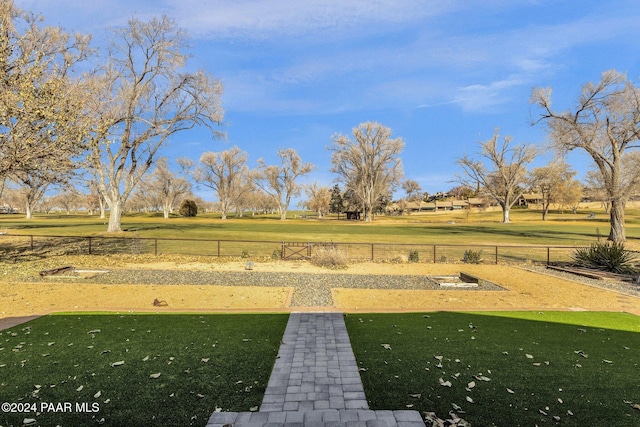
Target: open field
443	227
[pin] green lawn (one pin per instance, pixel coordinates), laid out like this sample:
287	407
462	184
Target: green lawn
451	228
203	361
503	369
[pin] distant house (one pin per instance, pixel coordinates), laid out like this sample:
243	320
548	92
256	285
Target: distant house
531	199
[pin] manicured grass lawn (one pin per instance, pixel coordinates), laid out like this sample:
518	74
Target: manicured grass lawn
450	227
503	369
204	362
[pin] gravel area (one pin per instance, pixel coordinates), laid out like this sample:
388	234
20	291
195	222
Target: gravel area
311	289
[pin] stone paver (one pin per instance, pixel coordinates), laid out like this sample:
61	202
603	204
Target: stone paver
315	382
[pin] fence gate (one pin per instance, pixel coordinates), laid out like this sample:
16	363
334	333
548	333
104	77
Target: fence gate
296	250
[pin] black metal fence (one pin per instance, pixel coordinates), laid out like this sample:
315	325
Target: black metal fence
356	251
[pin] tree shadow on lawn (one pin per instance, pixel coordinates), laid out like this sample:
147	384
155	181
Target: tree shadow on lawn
520	368
138	369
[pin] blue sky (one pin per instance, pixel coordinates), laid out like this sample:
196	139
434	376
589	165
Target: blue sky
442	74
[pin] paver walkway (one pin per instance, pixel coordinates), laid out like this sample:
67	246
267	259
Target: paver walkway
315	382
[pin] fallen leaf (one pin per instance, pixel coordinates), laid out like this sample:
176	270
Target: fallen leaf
154	376
607	361
472	384
560	400
444	383
29	421
254	408
416	395
438	357
510	391
581	353
204	360
386	346
97	395
200	395
569	413
410	406
145	358
118	363
556	418
95	331
469	399
80	388
529	356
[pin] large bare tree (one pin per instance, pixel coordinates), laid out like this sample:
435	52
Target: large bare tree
505	179
280	181
42	102
145	98
225	172
605	123
370	165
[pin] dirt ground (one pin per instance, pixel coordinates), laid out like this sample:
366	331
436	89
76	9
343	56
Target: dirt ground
524	290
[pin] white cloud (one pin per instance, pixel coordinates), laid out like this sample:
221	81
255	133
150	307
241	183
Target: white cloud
265	18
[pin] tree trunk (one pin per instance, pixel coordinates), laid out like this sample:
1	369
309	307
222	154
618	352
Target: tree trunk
283	215
368	214
505	215
616	219
28	213
115	217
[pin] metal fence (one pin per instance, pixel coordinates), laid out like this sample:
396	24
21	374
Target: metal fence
357	251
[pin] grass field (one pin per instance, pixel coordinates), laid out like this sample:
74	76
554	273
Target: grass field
450	227
503	369
108	363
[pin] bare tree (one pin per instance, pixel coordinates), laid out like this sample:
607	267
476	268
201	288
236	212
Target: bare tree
412	190
506	178
318	199
224	172
370	166
145	99
69	198
31	189
43	121
555	183
166	186
605	123
279	181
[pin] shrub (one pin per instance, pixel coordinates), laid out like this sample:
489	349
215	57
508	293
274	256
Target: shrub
330	257
276	254
414	256
472	257
245	254
188	208
607	256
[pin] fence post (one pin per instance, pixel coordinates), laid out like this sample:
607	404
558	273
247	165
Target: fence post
31	241
434	254
155	247
218	248
372	258
496	254
548	255
89	245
